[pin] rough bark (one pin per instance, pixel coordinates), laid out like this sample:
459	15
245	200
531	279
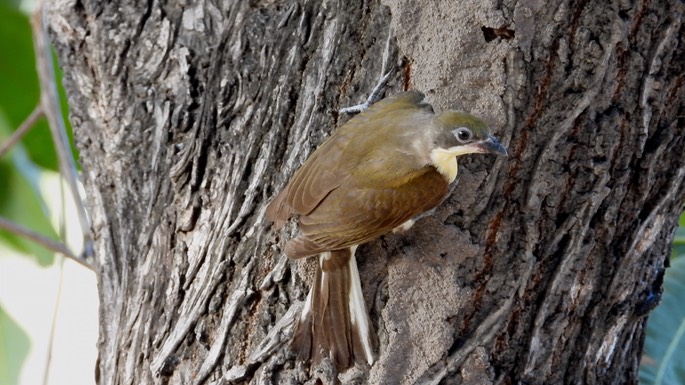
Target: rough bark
539	269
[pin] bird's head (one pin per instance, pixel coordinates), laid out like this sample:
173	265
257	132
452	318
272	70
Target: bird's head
462	133
459	134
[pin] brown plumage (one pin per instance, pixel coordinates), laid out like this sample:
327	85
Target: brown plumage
329	329
382	168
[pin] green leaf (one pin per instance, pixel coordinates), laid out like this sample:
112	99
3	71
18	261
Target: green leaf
20	200
663	362
679	238
20	91
679	243
14	347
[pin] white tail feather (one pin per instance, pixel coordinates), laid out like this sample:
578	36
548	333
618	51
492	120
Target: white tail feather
358	314
334	322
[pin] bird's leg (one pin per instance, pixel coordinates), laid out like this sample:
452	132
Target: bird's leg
408	224
382	82
374	96
404	226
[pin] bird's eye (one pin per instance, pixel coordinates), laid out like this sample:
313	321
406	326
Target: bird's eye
463	134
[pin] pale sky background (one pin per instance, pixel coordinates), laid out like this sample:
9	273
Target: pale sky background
30	294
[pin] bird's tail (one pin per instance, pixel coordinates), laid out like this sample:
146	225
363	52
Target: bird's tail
334	322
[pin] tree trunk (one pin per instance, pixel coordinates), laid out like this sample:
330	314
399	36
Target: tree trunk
539	269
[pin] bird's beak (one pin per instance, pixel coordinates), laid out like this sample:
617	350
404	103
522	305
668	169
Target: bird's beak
492	146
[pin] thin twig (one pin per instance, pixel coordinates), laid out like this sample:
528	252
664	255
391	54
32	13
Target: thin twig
25	126
53	324
42	240
58	298
51	107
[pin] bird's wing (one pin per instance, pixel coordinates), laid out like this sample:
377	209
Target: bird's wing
352	216
317	177
322	173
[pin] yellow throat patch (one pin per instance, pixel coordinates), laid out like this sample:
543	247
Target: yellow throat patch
445	160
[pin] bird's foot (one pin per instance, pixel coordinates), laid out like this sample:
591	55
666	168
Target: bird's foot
374	96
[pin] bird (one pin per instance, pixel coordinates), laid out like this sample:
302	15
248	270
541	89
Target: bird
378	172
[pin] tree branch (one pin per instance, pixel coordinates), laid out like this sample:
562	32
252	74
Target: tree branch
25	126
42	240
49	101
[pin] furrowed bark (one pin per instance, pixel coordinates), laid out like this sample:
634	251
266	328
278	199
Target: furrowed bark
539	269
